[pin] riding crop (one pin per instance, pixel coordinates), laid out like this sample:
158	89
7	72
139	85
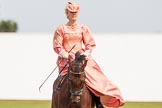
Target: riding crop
54	69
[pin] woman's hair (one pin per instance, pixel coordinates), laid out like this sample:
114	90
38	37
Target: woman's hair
66	11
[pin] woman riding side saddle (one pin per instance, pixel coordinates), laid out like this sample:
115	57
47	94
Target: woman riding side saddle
73	34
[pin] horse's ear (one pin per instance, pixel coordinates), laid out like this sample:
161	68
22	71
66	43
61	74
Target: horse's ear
70	62
77	55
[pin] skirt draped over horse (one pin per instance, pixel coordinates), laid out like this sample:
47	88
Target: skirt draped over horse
96	81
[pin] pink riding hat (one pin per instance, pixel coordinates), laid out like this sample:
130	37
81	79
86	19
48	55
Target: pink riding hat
72	7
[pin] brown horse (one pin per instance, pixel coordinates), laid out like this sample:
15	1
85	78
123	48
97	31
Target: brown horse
70	91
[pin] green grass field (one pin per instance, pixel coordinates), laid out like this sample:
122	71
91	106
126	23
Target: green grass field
24	104
47	104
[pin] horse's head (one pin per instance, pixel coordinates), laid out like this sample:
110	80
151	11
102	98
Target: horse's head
77	76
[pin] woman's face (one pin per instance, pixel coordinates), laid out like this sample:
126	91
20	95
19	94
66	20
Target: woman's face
72	16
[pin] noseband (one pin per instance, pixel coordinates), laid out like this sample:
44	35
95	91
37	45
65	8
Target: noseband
79	92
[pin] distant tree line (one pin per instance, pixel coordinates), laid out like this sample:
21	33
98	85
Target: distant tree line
8	26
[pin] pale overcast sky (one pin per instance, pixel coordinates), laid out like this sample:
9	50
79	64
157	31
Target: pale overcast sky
101	16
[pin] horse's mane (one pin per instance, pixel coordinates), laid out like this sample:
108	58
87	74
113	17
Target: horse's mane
79	57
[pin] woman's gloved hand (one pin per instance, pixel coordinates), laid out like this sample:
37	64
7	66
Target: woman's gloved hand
87	53
64	54
67	55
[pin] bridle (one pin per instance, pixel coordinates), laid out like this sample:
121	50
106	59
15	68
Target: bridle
77	94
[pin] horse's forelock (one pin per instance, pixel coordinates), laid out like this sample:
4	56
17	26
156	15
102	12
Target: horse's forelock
79	57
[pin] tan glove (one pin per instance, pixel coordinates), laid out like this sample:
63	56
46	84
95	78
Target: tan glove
87	53
64	54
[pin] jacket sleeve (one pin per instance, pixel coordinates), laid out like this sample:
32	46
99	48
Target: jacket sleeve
88	39
58	40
